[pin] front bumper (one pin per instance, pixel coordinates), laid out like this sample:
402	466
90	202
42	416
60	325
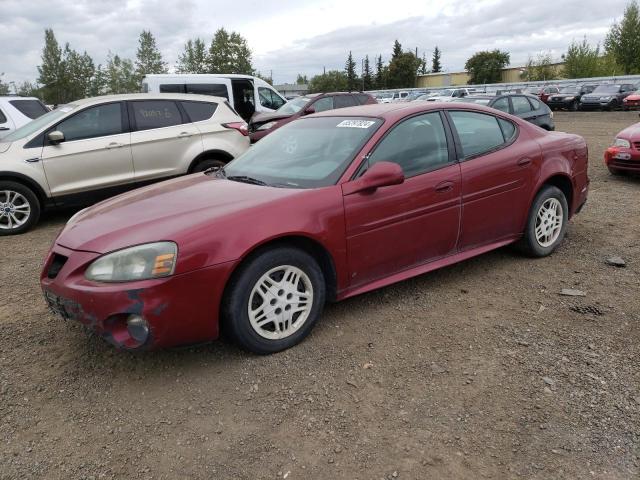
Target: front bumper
631	104
622	159
181	309
595	105
561	103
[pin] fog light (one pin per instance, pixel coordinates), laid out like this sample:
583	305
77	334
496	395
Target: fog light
137	328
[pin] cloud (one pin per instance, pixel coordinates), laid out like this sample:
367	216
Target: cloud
291	37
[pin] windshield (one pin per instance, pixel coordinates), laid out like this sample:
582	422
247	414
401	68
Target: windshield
35	125
294	106
607	89
569	90
307	153
479	101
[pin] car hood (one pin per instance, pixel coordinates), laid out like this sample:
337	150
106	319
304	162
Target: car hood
633	96
268	117
175	210
631	133
564	95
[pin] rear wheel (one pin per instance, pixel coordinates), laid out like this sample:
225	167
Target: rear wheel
203	165
547	222
19	208
274	300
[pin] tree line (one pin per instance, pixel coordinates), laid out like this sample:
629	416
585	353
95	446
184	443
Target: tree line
620	56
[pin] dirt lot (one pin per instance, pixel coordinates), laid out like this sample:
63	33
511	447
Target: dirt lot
480	370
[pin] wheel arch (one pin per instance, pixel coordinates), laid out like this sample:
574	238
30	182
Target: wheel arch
27	182
303	242
564	183
210	155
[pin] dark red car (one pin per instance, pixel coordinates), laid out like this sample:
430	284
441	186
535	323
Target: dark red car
265	123
624	155
325	208
543	93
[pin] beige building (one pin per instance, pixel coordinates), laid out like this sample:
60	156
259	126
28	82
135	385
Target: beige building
448	79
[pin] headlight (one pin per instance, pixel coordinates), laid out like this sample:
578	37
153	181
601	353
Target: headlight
266	126
621	142
605	98
570	98
142	262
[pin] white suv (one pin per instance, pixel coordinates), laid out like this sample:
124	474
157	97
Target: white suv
97	147
15	111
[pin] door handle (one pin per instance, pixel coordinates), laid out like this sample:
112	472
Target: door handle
523	162
4	129
184	135
115	145
444	187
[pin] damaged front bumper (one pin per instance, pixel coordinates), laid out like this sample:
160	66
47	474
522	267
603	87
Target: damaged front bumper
180	309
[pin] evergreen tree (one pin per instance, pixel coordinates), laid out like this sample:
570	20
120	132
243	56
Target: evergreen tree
436	66
423	65
623	40
367	75
148	57
51	72
403	70
486	66
194	57
397	50
380	77
350	71
229	53
302	79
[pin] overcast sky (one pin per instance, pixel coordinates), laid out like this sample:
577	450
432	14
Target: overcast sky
302	36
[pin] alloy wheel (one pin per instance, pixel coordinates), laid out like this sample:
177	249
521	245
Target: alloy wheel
15	210
549	222
280	302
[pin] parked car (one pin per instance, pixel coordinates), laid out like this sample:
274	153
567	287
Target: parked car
327	207
384	97
96	147
16	111
542	93
399	96
607	96
247	94
449	95
632	101
527	107
624	155
569	97
265	123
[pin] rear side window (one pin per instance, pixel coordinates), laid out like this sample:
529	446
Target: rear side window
156	114
341	101
520	105
3	119
198	111
323	104
362	98
215	89
508	129
172	88
478	132
29	108
98	121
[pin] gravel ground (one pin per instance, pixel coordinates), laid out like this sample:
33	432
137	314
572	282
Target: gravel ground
479	370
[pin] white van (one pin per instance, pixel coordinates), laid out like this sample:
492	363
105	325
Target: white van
246	94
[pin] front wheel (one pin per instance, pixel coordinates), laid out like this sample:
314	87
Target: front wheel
19	208
207	164
274	300
547	222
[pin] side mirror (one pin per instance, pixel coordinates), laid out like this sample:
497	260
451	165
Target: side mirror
56	137
309	110
381	174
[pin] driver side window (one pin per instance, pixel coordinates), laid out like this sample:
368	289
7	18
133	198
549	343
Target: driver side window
418	145
269	99
98	121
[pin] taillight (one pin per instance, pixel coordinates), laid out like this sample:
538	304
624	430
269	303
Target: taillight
242	127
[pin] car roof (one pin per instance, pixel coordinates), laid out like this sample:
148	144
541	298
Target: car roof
148	96
394	111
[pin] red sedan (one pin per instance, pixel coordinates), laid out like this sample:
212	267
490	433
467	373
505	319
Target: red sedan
624	155
327	207
631	101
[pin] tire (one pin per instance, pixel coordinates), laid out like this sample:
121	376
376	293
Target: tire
203	165
573	107
531	244
258	332
616	172
19	208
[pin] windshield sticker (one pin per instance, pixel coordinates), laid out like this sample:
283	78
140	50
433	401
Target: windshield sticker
355	124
